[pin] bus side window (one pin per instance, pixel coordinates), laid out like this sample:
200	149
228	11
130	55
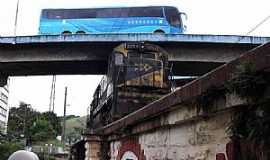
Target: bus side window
145	12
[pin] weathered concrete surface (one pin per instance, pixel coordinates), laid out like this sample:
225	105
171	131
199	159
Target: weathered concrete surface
198	140
178	126
87	54
184	133
133	37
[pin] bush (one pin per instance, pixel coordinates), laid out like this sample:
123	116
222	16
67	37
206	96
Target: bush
7	148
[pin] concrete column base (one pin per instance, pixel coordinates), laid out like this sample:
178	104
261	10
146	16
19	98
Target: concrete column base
93	147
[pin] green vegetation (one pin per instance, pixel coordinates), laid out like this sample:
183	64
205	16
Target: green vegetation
247	83
20	119
35	127
7	148
74	128
42	130
54	121
250	125
39	130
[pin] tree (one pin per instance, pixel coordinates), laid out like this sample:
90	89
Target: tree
33	125
54	121
20	119
42	131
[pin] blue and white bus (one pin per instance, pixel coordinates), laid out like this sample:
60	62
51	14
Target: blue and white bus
151	19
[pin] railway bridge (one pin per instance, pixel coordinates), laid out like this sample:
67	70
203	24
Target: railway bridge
222	115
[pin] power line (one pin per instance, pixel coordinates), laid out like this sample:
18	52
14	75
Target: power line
250	31
255	27
258	25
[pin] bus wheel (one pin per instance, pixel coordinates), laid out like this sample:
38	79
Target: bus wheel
66	33
159	31
80	32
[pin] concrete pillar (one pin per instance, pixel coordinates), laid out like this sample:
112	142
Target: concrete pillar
3	80
93	147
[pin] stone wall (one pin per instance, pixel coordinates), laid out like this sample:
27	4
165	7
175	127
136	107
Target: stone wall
181	139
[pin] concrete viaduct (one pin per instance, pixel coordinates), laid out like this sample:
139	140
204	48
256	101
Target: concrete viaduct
191	55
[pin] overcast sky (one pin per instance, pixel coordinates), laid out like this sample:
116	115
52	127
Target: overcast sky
225	17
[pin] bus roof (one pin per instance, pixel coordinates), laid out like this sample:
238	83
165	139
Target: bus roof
114	7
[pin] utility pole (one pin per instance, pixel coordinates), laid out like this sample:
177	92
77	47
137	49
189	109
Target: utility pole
24	126
64	120
52	95
54	78
16	18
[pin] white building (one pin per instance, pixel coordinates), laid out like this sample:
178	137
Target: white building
4	108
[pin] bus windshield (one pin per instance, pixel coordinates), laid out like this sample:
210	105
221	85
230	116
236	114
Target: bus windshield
173	17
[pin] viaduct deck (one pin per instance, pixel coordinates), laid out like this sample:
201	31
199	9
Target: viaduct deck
87	54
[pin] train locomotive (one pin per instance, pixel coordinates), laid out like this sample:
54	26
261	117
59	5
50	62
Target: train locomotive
137	75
